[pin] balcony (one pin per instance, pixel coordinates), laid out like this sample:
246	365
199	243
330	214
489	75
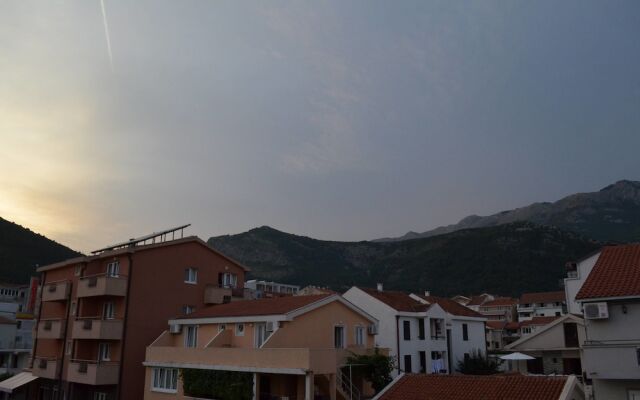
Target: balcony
56	291
214	294
94	328
46	367
51	328
102	285
612	359
91	372
288	361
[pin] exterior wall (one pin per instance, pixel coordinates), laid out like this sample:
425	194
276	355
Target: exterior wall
387	327
573	285
613	389
157	293
315	329
477	339
619	326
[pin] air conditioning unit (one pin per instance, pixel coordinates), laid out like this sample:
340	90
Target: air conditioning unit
372	329
596	311
175	328
270	326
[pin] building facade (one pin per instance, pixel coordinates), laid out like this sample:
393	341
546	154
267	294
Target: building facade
543	304
289	347
98	313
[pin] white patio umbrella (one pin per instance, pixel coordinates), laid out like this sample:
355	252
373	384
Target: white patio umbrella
517	357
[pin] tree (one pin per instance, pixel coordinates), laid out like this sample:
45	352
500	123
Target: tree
224	385
478	364
375	368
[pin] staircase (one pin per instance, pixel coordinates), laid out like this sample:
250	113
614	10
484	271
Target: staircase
345	388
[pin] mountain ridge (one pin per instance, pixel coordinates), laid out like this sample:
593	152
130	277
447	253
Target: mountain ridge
612	213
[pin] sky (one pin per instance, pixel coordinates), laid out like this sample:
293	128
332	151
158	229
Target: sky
337	120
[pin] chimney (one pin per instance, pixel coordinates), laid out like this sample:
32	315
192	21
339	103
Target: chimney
379	287
427	293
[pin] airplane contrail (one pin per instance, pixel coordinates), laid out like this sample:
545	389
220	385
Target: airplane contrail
106	33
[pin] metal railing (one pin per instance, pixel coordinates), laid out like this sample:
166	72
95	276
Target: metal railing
349	390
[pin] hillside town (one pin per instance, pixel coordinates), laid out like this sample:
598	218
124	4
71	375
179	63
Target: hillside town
165	316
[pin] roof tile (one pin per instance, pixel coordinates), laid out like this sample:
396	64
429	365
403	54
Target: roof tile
616	274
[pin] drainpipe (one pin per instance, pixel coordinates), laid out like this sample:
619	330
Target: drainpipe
398	340
124	326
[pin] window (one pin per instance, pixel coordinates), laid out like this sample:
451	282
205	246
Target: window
526	330
229	280
191	275
260	334
571	335
633	395
221	327
466	357
108	310
73	308
359	336
338	337
557	313
165	380
406	328
113	269
104	352
421	328
186	310
239	329
407	364
99	396
69	348
78	271
191	336
465	332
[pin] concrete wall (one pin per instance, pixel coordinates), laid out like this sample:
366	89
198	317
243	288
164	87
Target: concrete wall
619	326
613	389
573	285
477	339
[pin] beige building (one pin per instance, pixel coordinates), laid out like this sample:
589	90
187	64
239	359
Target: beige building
290	347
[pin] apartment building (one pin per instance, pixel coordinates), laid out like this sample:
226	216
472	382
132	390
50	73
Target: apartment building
465	327
610	299
418	331
286	348
499	309
98	313
16	325
474	302
261	288
501	333
543	304
555	347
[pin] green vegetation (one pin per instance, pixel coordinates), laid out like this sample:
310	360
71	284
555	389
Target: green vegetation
506	259
21	250
478	364
221	385
375	368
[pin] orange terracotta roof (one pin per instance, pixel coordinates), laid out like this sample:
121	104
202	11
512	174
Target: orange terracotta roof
538	321
452	307
616	274
473	387
249	308
512	325
500	301
542	297
496	324
477	300
399	301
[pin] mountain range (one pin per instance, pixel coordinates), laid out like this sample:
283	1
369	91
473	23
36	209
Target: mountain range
22	250
611	214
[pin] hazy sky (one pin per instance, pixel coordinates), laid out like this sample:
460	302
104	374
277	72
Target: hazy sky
342	120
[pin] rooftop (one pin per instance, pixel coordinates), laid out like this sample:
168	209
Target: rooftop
539	321
616	274
452	307
473	387
399	301
259	307
542	297
500	301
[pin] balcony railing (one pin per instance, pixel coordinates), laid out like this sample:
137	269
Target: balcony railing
612	359
95	328
51	328
56	291
102	285
92	372
46	367
292	361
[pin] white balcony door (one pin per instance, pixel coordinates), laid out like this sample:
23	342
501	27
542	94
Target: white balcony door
261	334
108	310
104	352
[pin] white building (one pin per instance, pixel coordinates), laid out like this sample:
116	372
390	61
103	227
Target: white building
610	298
465	327
263	289
577	273
418	331
543	304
